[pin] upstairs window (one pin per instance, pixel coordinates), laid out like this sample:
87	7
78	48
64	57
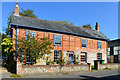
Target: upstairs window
57	56
99	56
31	34
116	50
83	43
99	45
58	40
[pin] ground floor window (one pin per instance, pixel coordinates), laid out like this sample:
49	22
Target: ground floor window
83	57
57	55
29	59
99	56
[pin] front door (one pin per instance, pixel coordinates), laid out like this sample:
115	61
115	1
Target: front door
71	58
115	58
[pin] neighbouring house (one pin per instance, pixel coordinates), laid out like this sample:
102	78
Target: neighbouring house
86	44
114	51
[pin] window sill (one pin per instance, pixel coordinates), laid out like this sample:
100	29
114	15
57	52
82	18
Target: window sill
57	45
99	48
83	47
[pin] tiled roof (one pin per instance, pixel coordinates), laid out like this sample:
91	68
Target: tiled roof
114	43
45	24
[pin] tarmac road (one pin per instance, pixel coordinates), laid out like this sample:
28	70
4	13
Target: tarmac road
95	75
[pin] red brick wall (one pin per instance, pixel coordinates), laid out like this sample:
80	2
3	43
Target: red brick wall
69	42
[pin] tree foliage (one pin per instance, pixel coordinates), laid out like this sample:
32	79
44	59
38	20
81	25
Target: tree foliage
28	13
87	26
33	47
0	43
65	22
7	46
8	29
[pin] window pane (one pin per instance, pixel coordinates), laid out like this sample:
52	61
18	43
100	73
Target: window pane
99	45
83	57
83	43
116	52
108	49
31	34
99	56
58	40
29	59
115	48
57	55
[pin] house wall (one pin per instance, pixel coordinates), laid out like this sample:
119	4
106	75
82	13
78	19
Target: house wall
70	43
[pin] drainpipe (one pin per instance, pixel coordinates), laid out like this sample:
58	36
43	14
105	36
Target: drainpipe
107	50
16	40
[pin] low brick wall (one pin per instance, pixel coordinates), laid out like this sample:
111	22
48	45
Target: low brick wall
113	66
28	69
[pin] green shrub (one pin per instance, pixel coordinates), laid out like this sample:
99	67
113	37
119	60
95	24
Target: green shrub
74	61
65	73
18	75
14	75
94	70
49	62
92	66
107	68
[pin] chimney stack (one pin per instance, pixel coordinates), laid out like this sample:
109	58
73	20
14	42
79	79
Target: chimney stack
97	26
16	12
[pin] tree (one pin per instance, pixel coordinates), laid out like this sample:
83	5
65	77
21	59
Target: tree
34	48
87	26
8	29
7	46
8	61
0	43
27	13
66	22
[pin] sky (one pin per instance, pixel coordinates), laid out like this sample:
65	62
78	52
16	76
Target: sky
80	13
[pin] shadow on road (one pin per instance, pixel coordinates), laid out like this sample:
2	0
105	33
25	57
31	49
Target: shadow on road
115	77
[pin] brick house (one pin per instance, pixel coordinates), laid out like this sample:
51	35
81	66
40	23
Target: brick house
86	44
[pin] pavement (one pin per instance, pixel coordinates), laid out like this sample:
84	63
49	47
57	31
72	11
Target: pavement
4	73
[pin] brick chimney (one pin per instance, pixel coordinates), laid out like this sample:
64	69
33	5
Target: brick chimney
16	12
97	26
